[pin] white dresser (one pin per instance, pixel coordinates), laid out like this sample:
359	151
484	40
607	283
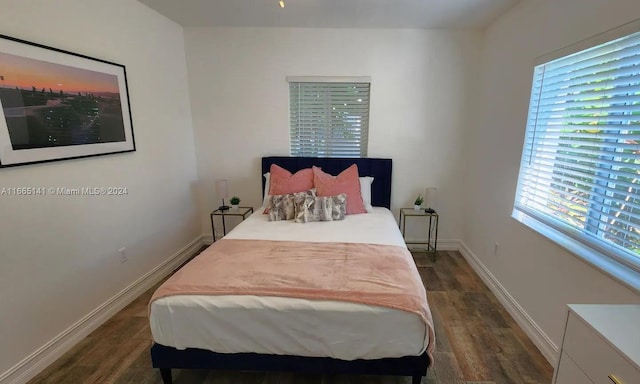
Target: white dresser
601	345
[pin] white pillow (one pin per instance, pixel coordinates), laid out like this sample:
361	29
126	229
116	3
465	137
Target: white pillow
265	199
365	192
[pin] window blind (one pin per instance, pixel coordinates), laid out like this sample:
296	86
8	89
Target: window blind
329	119
580	168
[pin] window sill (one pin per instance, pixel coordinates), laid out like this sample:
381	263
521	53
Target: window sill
618	271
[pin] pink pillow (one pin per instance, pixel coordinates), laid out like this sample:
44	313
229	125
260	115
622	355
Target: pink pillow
346	182
282	182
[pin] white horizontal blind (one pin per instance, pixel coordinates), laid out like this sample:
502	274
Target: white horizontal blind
580	169
329	119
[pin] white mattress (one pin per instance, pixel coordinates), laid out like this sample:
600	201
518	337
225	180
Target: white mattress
289	326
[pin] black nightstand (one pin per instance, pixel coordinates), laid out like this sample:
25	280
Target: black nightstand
241	212
432	231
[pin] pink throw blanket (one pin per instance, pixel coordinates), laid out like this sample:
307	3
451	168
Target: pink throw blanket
380	275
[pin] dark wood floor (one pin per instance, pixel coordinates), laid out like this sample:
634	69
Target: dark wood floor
477	343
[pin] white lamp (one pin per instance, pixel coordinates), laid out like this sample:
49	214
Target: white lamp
430	195
222	189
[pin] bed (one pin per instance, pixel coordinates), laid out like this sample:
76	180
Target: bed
268	333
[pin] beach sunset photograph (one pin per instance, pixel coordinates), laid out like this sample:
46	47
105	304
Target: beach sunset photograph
52	105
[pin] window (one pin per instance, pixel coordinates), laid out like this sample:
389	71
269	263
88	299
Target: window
580	169
329	117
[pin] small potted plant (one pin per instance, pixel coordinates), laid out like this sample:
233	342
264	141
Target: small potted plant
418	202
235	200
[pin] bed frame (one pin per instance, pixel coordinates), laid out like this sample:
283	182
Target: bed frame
167	358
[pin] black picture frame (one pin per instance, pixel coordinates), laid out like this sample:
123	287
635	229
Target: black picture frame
60	105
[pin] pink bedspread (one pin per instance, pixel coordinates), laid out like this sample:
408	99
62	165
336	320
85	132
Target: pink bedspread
380	275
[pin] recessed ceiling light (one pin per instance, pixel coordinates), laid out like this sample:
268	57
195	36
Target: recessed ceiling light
281	2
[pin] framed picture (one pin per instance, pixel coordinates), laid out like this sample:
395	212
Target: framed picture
58	105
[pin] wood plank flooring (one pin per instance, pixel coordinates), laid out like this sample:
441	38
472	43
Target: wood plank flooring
477	343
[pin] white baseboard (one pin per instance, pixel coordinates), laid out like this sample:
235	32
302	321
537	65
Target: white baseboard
546	346
37	361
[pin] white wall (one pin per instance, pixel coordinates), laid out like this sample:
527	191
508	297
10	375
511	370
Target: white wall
541	276
58	255
420	82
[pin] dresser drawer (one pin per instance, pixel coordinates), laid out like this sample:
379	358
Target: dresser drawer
569	373
597	358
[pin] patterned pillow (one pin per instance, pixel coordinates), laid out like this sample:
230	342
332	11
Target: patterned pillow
339	208
281	207
299	198
314	209
321	208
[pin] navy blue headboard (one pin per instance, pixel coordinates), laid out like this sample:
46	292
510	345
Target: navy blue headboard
379	169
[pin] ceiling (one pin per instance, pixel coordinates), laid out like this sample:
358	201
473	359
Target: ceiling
425	14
